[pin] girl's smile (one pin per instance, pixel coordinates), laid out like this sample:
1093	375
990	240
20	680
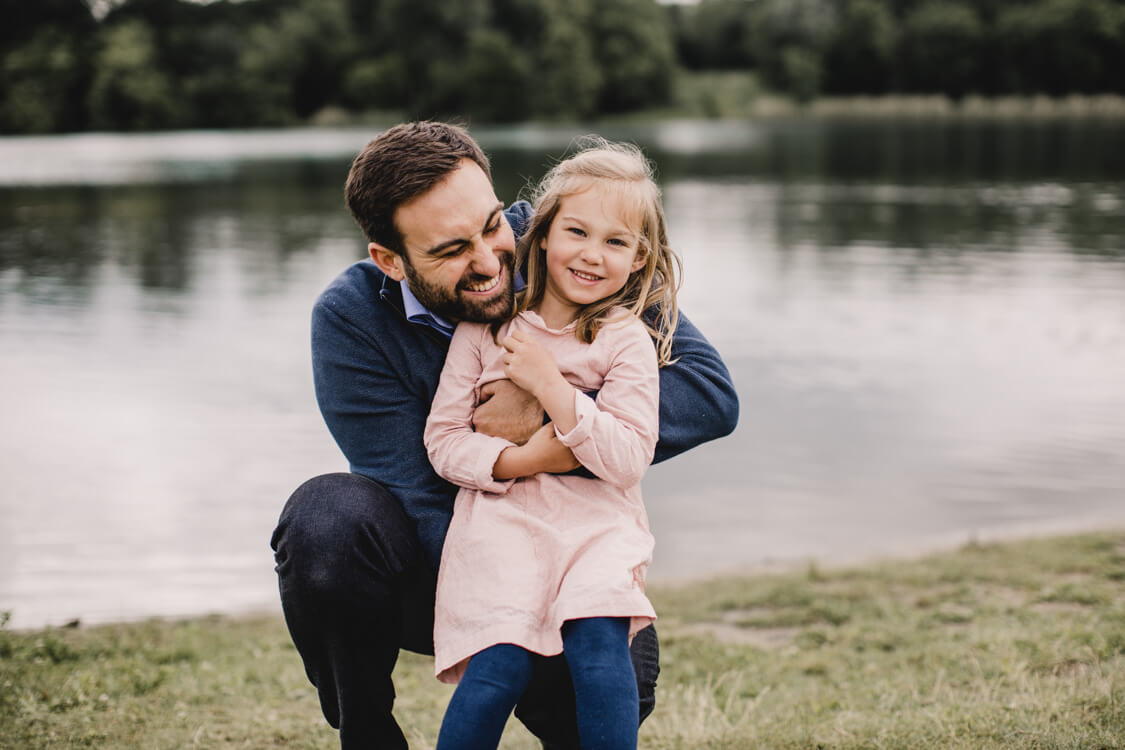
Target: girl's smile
590	251
583	276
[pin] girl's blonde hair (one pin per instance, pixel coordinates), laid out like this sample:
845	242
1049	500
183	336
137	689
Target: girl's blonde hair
650	292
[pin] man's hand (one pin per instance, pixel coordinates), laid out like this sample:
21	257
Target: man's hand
507	411
543	453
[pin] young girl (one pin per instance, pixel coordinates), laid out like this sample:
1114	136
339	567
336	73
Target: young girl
556	563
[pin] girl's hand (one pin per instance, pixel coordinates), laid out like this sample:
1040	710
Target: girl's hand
528	364
543	453
550	455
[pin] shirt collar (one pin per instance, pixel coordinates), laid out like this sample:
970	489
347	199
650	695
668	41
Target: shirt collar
416	312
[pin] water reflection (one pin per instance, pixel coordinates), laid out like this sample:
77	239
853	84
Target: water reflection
925	322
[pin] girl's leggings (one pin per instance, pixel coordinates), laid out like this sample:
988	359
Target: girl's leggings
605	689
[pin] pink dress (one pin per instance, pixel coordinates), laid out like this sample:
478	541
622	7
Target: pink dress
523	556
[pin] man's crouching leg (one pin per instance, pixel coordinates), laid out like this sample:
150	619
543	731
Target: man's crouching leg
351	574
547	707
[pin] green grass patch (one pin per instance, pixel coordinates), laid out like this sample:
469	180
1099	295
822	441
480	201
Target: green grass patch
740	94
1015	645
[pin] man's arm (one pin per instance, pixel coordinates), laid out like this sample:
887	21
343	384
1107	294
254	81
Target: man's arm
508	411
457	452
376	411
697	400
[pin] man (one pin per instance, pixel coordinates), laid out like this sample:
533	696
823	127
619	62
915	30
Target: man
357	553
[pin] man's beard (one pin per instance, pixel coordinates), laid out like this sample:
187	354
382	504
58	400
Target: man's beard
451	305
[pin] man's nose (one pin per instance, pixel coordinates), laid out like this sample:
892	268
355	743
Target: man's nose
485	262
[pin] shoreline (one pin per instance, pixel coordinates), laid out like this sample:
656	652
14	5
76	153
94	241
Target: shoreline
910	551
905	552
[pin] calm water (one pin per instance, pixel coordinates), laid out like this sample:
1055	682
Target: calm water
926	324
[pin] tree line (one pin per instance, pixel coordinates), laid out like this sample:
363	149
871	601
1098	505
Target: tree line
157	64
951	47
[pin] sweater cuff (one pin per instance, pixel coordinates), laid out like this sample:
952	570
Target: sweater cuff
486	460
585	410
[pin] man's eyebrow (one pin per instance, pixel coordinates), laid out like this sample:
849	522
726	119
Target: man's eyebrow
437	249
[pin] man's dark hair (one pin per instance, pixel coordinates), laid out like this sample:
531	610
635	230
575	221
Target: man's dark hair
401	164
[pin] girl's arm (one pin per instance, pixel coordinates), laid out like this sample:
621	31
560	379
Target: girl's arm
615	436
456	452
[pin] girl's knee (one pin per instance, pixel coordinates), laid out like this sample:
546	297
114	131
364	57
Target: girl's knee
596	634
501	672
598	649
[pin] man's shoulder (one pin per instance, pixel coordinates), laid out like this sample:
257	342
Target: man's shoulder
519	217
355	294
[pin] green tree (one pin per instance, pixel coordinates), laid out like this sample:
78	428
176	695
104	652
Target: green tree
941	46
45	50
130	91
42	84
297	62
715	34
217	95
790	38
1062	46
633	47
860	56
497	77
376	83
567	77
432	39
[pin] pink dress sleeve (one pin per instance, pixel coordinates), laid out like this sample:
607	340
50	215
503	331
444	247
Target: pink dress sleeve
456	452
615	436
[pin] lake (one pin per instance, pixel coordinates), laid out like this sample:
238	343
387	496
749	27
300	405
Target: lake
925	321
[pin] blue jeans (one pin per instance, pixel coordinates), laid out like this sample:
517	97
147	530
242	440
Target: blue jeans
605	689
355	589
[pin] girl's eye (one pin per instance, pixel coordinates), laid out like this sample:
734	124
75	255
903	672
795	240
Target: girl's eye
618	241
576	231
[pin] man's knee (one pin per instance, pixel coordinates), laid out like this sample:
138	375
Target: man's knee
645	654
334	524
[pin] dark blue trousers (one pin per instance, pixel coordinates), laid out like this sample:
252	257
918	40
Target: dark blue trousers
605	689
355	589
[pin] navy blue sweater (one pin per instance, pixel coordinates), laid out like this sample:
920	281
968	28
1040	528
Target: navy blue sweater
376	373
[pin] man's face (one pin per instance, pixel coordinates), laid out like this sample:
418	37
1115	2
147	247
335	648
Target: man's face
460	251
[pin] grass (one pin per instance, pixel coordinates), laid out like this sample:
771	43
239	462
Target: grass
740	94
1014	645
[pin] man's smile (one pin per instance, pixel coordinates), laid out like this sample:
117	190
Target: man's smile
486	286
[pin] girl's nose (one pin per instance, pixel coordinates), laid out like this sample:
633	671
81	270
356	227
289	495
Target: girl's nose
591	253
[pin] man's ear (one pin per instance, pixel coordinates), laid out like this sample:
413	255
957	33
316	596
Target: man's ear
388	261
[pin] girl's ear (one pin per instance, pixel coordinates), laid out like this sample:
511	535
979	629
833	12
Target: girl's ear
639	261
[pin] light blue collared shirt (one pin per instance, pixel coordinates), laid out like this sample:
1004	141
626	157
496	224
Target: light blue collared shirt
416	312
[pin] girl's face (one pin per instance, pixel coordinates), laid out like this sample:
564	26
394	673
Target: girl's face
591	250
